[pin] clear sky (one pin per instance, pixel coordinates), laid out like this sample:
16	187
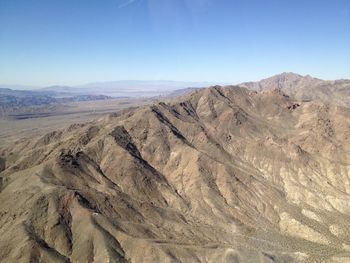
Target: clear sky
68	42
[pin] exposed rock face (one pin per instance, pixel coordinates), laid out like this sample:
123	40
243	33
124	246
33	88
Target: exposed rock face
306	88
2	164
220	175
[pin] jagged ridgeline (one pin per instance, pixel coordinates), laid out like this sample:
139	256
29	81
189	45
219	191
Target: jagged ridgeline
218	175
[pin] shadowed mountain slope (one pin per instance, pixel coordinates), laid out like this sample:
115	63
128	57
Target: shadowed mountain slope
219	175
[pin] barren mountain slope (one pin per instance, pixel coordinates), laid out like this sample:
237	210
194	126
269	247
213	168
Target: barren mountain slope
306	88
219	175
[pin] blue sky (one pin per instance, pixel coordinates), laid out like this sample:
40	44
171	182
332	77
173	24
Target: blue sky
46	42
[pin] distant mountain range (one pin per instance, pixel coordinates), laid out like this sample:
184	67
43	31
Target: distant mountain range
120	88
131	88
21	99
295	85
18	87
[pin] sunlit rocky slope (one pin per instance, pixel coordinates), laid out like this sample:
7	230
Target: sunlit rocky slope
306	88
219	175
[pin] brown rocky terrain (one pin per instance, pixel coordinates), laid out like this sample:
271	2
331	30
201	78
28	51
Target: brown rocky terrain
306	88
219	175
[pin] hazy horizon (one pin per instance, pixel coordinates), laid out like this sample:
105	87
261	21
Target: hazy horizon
158	81
176	83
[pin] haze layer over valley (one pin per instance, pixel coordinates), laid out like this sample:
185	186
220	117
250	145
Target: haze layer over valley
221	174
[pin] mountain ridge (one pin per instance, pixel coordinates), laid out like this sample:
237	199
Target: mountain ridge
216	175
306	87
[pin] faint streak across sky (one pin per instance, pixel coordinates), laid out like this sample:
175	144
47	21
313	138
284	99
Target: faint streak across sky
125	3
